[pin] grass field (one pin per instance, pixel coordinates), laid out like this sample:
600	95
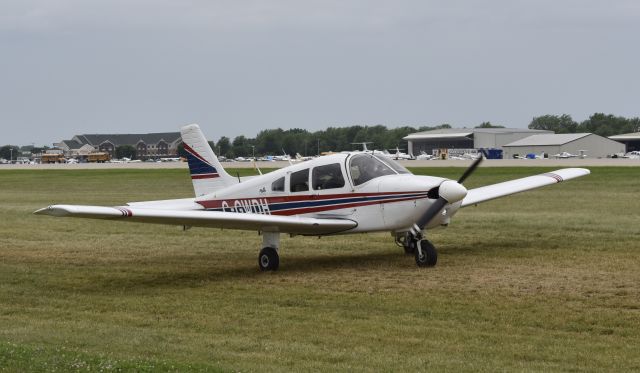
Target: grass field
545	280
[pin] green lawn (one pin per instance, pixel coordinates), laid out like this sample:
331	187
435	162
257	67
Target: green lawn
545	280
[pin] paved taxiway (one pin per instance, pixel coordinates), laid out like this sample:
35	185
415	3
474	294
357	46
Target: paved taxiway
438	163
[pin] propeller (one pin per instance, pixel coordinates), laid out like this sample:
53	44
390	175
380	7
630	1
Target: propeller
471	169
448	192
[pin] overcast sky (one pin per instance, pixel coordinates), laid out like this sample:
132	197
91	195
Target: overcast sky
116	66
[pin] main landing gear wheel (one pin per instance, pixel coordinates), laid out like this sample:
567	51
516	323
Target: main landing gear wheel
429	256
268	259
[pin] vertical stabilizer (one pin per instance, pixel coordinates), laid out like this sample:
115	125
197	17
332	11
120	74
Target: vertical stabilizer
207	174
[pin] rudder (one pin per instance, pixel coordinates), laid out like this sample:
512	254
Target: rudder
207	174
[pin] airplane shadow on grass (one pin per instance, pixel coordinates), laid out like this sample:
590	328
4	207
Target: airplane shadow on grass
190	275
169	271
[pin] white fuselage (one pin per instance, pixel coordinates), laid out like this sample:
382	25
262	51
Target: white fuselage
391	202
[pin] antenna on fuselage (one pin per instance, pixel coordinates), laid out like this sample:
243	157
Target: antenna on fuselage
255	166
364	145
288	158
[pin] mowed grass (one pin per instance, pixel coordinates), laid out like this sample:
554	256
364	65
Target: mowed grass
544	280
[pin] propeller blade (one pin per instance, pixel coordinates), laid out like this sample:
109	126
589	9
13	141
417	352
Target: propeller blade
431	212
471	168
449	192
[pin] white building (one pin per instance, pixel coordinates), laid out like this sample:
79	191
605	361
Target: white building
593	146
465	138
631	140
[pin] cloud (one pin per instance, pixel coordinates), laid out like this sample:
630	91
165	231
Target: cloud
48	15
76	66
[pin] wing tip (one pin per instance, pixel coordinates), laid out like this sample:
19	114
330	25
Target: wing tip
570	173
42	211
53	210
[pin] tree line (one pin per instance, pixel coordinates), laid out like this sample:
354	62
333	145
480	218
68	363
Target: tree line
599	123
278	141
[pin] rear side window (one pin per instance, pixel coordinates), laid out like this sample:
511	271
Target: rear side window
327	177
278	185
299	181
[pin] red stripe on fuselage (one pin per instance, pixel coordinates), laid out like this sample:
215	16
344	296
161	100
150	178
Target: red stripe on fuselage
306	197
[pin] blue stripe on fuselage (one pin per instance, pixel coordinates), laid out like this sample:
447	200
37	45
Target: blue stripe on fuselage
281	206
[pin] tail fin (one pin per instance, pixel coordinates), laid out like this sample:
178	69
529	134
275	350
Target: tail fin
206	171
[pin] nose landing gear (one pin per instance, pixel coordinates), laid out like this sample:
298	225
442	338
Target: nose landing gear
425	253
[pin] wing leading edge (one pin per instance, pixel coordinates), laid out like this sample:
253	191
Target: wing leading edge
202	218
489	192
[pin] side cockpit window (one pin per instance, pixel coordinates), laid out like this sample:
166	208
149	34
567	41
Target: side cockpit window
393	164
327	177
278	185
299	181
364	167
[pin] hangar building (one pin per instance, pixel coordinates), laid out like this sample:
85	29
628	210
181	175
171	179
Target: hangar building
592	145
465	138
631	140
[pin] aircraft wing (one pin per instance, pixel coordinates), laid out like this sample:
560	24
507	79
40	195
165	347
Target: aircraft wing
203	218
489	192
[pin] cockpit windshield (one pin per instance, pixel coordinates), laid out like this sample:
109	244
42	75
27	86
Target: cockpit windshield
393	164
364	167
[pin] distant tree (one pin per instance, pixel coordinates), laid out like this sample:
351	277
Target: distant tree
438	127
5	152
223	146
127	151
556	123
488	125
180	150
39	150
269	141
609	125
241	146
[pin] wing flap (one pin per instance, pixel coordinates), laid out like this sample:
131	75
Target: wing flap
489	192
202	218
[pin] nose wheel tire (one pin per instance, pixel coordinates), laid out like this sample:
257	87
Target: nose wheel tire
268	259
429	256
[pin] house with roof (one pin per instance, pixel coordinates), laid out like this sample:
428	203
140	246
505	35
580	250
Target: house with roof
148	145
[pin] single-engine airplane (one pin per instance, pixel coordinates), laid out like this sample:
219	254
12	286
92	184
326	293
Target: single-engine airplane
351	192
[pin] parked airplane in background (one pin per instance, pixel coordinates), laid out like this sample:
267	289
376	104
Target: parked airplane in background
353	192
632	155
425	157
565	155
300	158
398	155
